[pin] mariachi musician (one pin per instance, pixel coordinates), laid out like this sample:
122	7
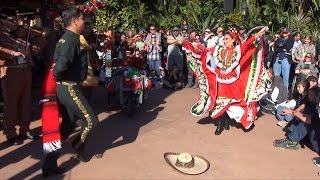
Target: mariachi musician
16	76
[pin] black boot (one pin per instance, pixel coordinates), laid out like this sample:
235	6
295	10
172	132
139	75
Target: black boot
226	123
79	146
50	166
220	126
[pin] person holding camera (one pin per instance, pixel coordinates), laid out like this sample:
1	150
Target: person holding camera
175	56
153	55
283	61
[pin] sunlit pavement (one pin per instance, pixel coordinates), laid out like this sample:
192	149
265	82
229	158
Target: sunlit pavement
133	147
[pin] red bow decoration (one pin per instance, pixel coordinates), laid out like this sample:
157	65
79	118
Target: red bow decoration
234	34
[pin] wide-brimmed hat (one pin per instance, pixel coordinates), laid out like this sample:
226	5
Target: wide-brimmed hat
186	163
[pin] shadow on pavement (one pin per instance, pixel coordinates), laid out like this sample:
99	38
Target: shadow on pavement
118	129
114	131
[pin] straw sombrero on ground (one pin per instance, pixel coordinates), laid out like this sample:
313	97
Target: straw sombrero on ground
186	163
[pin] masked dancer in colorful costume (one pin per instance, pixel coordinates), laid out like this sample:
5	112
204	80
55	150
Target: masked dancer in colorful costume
231	78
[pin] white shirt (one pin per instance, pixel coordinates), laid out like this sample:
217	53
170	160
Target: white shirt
173	49
295	45
213	42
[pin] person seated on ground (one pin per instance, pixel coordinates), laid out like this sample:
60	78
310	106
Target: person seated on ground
309	124
174	79
277	94
316	160
313	81
298	99
306	67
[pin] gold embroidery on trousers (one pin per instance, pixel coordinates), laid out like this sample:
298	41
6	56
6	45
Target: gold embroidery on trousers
85	113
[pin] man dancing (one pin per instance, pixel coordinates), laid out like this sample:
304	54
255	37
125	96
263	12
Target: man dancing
70	70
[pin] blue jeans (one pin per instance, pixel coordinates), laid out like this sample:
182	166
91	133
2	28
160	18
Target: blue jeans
284	69
155	65
287	117
301	130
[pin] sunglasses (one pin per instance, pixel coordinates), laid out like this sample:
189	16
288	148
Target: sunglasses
153	37
152	29
307	57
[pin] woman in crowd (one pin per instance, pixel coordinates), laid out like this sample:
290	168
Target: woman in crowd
307	67
268	62
308	123
299	98
306	48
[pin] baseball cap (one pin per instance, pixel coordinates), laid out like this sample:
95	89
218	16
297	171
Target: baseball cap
285	30
241	27
142	30
176	29
207	30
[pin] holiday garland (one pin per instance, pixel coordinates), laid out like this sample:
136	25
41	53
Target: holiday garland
56	7
92	6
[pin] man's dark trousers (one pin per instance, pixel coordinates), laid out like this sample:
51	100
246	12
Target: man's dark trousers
72	98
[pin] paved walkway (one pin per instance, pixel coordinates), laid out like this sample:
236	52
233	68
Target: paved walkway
133	148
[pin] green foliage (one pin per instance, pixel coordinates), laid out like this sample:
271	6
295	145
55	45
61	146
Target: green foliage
300	23
100	22
235	19
204	14
299	15
122	15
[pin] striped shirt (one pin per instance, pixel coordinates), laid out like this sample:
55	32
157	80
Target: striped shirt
153	52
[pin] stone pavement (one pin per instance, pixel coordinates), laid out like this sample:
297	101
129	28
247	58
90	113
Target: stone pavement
133	148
